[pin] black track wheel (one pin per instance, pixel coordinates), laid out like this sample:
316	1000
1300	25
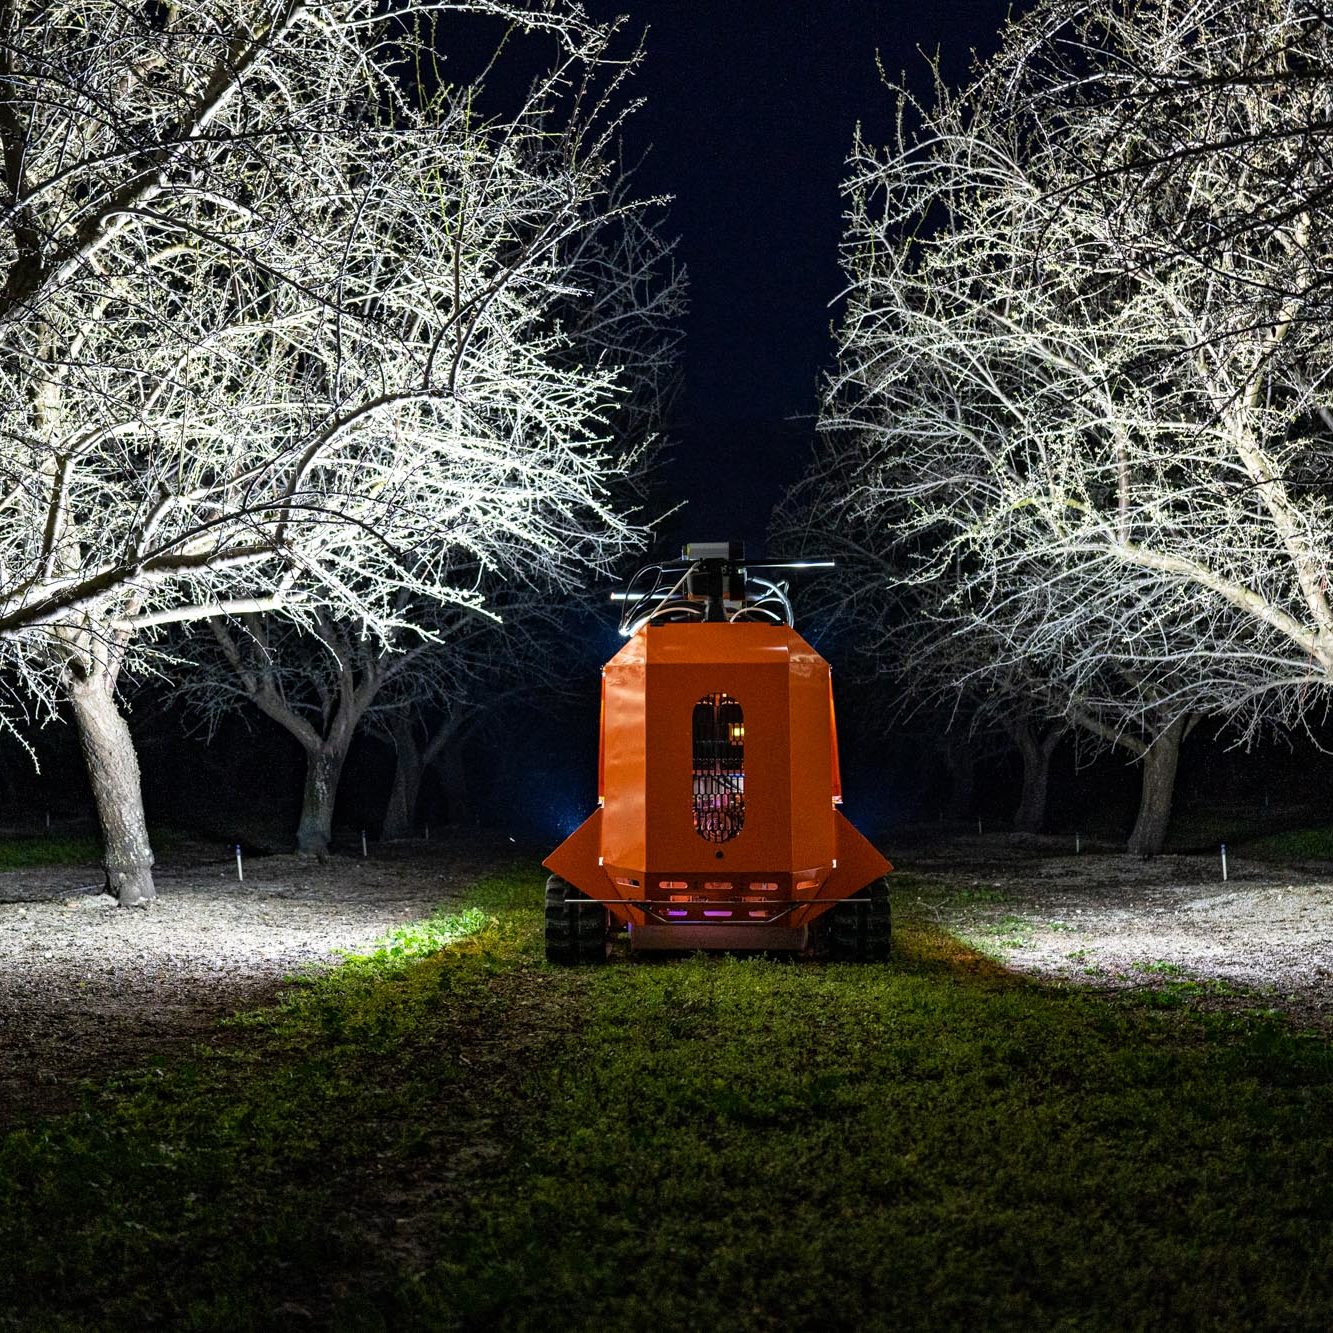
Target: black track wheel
560	943
860	928
880	943
576	929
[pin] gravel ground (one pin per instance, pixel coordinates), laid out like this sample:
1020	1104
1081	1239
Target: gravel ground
1110	921
87	989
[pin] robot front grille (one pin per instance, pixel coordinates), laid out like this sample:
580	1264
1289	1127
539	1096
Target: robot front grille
719	767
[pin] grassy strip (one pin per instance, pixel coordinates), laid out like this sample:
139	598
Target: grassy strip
1305	844
22	853
466	1138
758	1145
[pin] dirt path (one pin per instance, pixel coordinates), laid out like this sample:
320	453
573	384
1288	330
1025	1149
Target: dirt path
1106	920
88	990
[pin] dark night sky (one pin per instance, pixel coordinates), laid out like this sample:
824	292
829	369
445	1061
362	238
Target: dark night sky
751	108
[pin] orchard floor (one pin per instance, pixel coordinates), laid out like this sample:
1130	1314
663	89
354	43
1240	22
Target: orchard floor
88	990
1103	920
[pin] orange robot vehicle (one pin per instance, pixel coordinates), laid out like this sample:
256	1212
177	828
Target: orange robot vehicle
716	825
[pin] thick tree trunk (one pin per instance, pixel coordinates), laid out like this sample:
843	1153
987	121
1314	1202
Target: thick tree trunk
1159	783
359	679
113	772
1030	817
399	817
323	768
1036	750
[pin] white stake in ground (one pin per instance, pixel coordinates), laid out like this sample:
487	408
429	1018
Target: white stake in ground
363	842
240	869
1224	863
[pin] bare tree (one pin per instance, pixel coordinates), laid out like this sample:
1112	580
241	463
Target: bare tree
325	680
1036	740
1084	363
940	674
419	741
527	659
1175	157
319	681
321	677
273	336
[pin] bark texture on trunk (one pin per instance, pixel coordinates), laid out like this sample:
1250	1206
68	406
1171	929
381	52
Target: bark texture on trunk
113	772
399	818
1159	784
1036	750
323	768
344	703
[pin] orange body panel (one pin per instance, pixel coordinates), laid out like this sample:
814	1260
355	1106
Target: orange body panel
793	853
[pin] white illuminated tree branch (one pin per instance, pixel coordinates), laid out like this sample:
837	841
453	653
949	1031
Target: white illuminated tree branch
435	670
939	674
1083	375
275	335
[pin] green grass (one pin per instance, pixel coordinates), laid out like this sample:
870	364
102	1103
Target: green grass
449	1134
1201	830
1305	844
979	895
1159	968
1251	836
52	849
24	851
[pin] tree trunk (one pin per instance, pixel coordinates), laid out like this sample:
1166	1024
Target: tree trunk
1030	817
398	818
323	768
113	772
1159	782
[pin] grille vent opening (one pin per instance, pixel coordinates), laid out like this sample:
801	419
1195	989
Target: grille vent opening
719	767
